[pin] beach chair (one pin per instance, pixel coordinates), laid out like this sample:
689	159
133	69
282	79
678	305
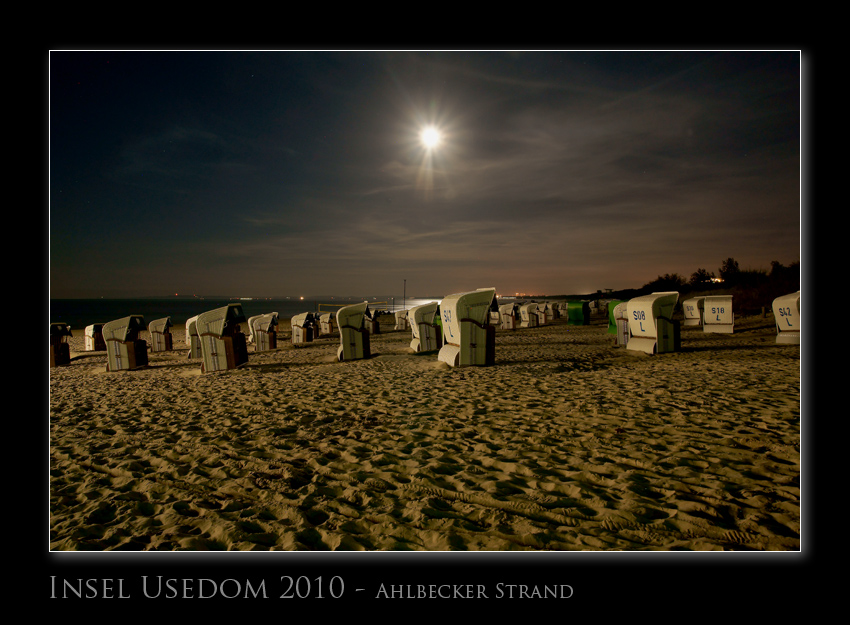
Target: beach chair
370	322
507	316
786	313
326	323
426	333
528	315
693	308
620	315
94	338
468	338
125	351
192	338
717	314
161	338
264	331
223	344
612	322
353	337
651	323
552	311
578	313
401	320
303	328
60	349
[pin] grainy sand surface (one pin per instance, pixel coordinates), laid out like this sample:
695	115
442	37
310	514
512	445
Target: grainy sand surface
567	443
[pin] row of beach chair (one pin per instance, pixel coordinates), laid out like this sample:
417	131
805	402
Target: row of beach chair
462	327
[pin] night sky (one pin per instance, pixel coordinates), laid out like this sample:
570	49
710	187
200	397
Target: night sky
261	174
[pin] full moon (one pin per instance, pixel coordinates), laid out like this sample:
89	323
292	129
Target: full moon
430	137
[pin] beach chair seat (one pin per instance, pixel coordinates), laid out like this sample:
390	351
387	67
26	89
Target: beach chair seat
786	314
125	351
94	338
651	325
353	336
193	338
717	314
507	316
427	336
263	330
223	344
468	338
401	320
528	315
693	310
60	349
303	328
161	338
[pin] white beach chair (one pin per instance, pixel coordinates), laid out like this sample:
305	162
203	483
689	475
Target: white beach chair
786	313
264	331
161	337
223	344
620	315
125	351
693	309
528	315
60	349
507	316
401	320
426	333
192	338
303	328
94	338
651	323
326	323
468	337
717	314
353	337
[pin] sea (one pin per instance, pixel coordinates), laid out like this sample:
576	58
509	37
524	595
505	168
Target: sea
79	313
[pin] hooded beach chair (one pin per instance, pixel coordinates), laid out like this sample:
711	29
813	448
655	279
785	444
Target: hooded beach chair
717	314
468	338
578	313
125	351
612	323
401	320
161	337
192	338
94	338
264	331
620	315
543	317
60	350
507	316
303	328
528	315
426	334
223	344
692	308
786	313
651	323
326	323
353	336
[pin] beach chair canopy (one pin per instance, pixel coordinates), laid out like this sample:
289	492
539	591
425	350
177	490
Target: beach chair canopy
301	320
216	321
692	309
123	329
508	310
424	313
473	306
528	309
160	325
263	323
192	326
60	329
644	310
352	316
93	329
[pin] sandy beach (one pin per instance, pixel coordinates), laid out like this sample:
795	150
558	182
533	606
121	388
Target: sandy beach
567	443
